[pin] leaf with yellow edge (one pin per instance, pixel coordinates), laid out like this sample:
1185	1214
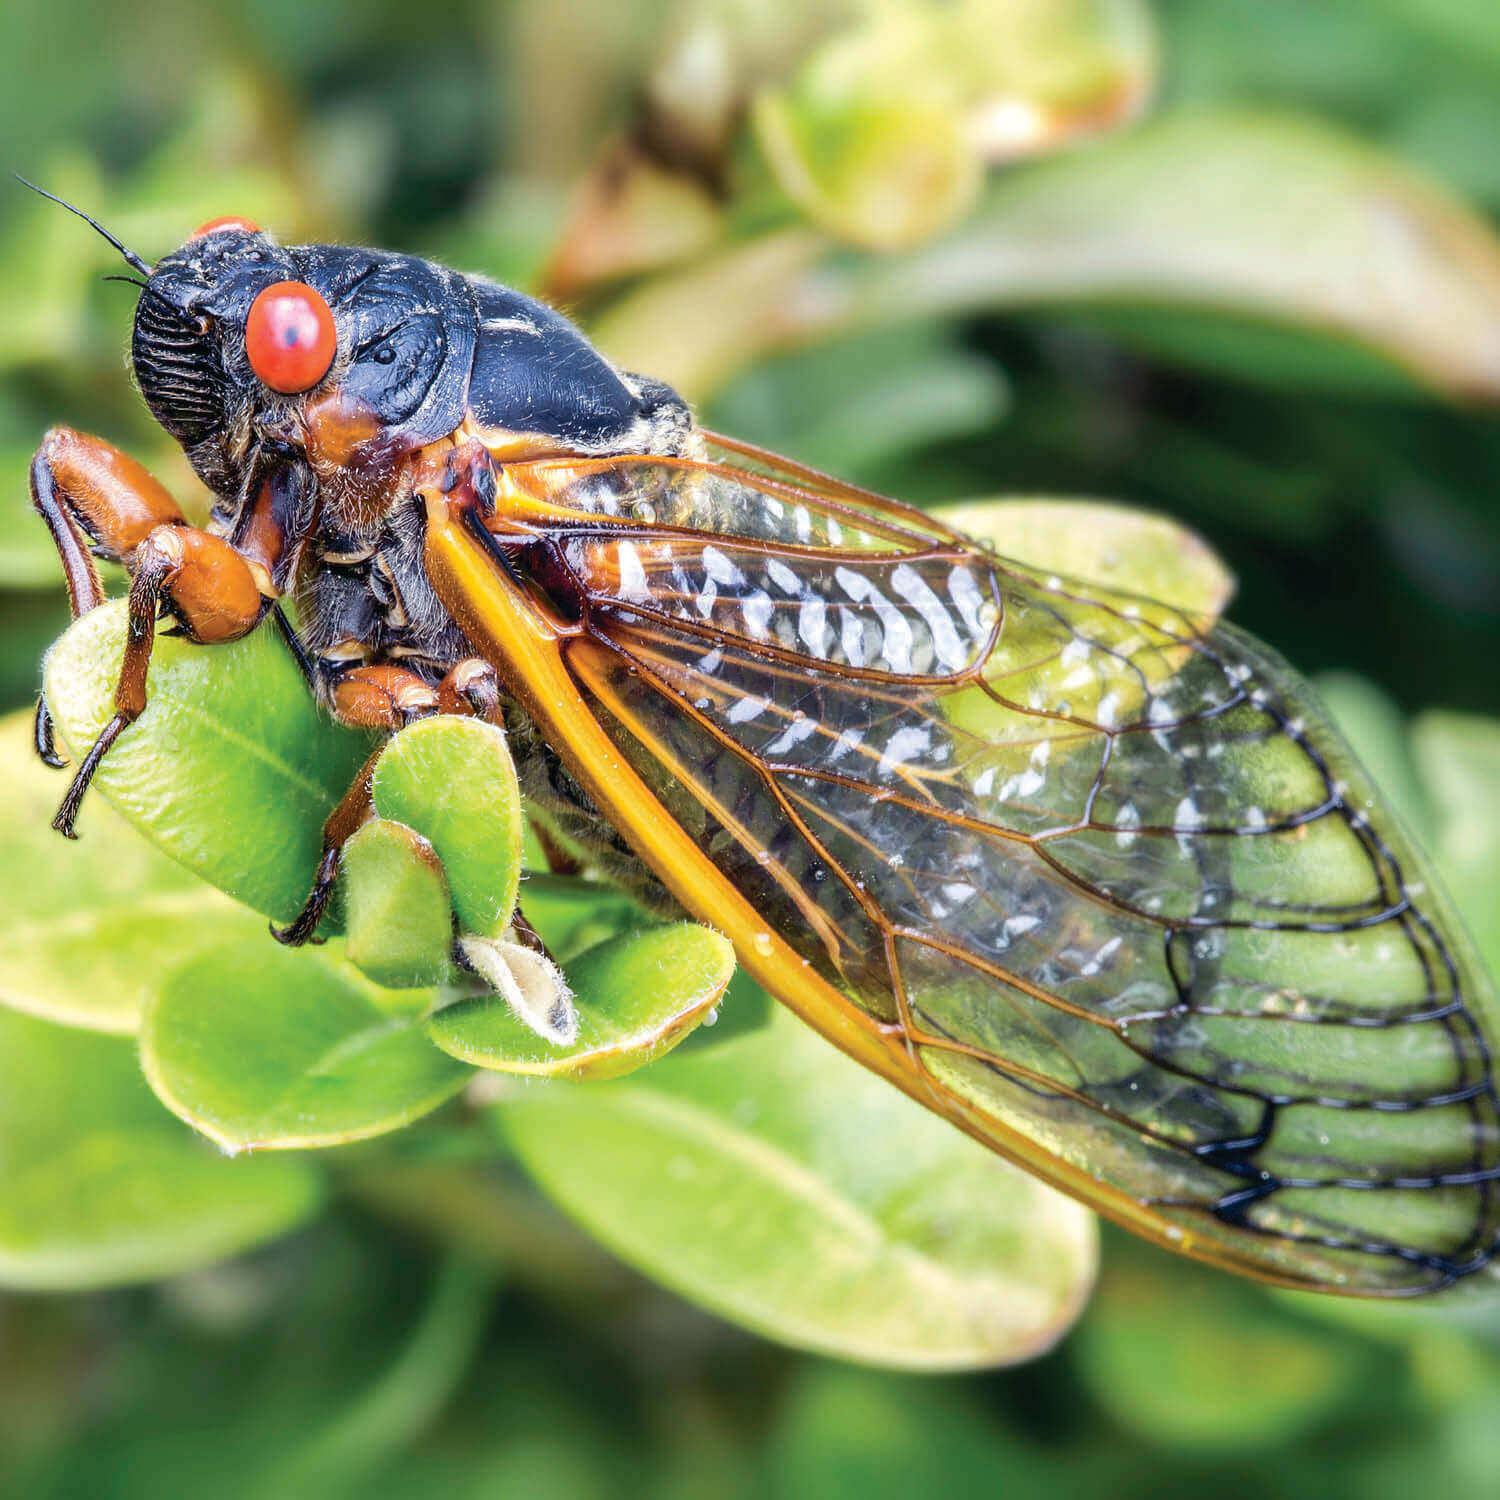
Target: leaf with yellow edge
636	997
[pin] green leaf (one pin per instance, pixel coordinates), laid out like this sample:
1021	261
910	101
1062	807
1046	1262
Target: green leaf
1458	756
89	930
786	1188
1269	220
637	997
1123	549
259	1046
881	132
453	781
1267	216
878	171
396	905
1192	1359
100	1186
231	769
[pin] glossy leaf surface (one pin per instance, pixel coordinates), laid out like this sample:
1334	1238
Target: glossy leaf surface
1348	243
100	1186
778	1183
89	930
258	1046
231	769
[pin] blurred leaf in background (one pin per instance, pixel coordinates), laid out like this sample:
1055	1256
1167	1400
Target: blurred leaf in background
927	246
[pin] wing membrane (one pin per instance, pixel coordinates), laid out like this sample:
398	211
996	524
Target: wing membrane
1106	873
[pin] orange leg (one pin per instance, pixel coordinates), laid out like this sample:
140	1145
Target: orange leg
353	809
383	696
82	484
84	488
471	687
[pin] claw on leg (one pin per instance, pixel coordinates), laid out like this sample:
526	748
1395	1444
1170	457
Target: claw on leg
43	737
385	696
67	812
302	927
471	687
353	809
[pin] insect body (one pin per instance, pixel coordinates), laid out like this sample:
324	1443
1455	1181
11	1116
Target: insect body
1093	880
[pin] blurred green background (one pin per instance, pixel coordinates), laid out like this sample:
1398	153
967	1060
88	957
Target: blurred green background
1232	260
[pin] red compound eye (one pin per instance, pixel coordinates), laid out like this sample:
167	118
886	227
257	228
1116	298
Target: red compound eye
229	221
289	337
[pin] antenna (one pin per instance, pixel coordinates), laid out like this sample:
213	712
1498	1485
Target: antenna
131	258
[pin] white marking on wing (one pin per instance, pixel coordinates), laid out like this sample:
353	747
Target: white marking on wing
783	577
918	592
632	574
795	732
746	709
907	742
896	638
720	568
812	626
757	607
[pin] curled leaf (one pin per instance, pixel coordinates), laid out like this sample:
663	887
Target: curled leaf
633	998
881	173
399	917
452	780
533	990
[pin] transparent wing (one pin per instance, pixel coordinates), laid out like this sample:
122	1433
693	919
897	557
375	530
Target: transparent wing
1109	874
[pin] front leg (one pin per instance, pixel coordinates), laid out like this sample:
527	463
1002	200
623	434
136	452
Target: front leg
85	488
96	502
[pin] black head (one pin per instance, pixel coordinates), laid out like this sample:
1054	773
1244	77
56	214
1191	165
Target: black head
392	338
343	360
177	346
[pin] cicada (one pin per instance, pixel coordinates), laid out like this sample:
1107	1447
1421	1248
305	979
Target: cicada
1090	877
